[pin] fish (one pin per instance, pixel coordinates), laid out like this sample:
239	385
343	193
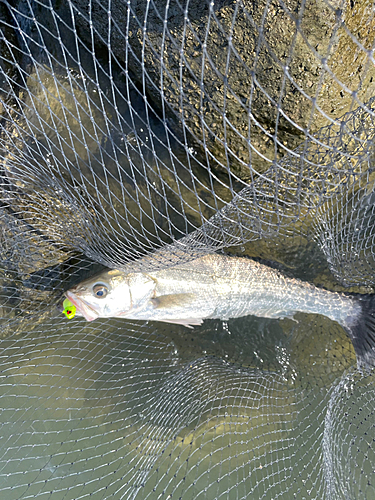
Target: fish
222	287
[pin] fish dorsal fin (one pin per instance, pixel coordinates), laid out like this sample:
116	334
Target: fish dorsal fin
173	300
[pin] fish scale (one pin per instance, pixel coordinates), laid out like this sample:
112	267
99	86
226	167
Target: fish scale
222	287
240	287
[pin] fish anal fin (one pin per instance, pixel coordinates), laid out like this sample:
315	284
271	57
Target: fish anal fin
180	300
188	322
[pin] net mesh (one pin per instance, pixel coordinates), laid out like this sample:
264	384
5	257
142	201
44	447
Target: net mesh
145	133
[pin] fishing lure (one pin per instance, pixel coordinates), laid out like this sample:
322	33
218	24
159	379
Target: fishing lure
68	309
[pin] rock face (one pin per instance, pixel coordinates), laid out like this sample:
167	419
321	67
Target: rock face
245	83
242	81
245	80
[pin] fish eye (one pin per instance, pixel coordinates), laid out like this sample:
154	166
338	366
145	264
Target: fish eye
100	291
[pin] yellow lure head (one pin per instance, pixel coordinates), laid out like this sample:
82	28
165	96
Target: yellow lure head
69	310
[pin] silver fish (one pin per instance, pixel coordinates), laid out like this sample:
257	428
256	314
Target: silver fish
218	286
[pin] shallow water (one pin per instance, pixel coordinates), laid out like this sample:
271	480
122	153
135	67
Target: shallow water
114	409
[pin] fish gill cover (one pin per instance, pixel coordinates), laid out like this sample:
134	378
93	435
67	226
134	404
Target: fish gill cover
156	131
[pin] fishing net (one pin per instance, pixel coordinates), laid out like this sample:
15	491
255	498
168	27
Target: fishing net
140	134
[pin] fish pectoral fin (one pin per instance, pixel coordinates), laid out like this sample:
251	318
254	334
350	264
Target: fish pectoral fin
188	322
177	301
173	300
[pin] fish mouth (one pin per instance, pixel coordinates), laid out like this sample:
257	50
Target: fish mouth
82	307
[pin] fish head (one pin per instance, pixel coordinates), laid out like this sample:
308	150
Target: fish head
105	295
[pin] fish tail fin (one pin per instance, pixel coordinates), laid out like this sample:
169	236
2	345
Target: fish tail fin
361	331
